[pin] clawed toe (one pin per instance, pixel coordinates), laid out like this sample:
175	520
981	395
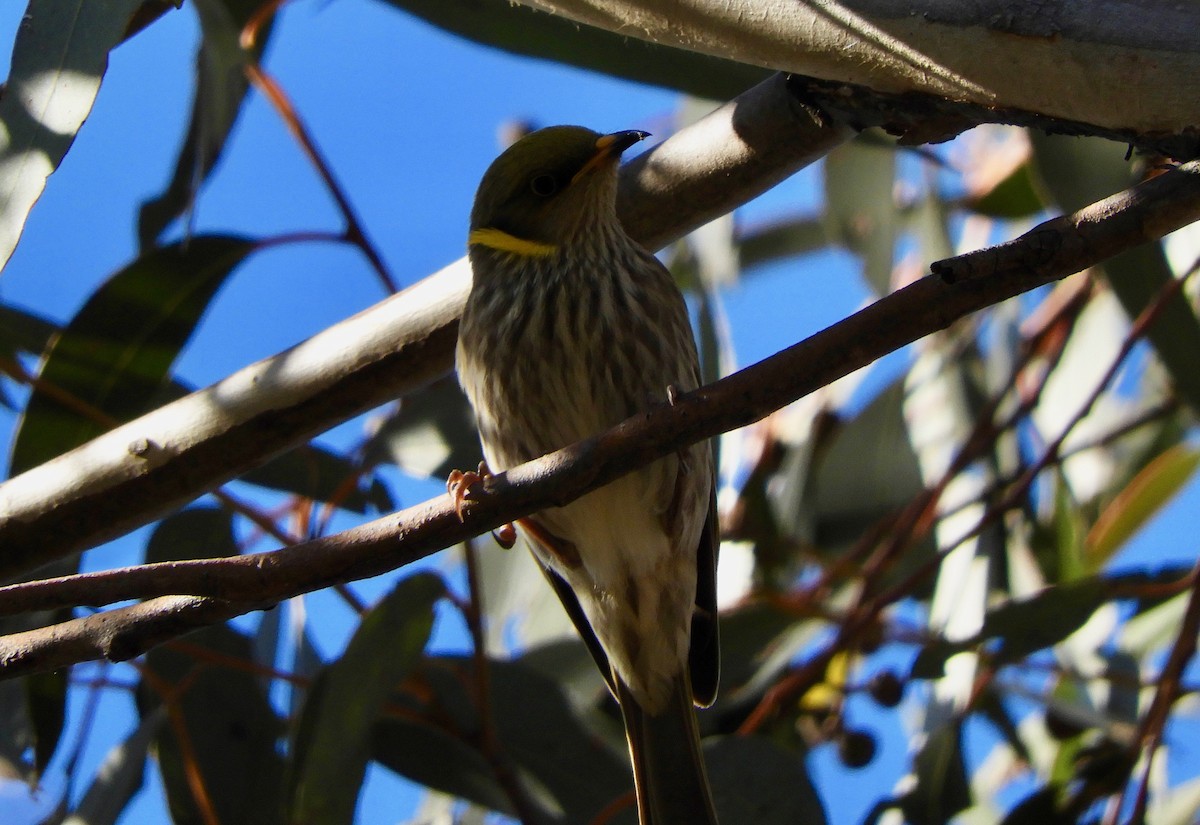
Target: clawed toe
459	484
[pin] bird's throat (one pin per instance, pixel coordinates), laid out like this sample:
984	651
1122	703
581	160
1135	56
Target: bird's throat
502	241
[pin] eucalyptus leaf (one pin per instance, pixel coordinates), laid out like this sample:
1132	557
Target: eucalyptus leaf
756	780
861	211
22	331
193	533
430	432
1149	491
333	739
229	730
942	786
120	775
114	356
58	61
1080	171
562	765
220	90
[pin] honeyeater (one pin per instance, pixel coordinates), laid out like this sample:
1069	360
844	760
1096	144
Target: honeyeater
570	328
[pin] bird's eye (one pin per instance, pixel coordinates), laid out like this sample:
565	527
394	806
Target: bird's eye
543	185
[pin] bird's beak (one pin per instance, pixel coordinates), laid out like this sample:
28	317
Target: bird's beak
610	147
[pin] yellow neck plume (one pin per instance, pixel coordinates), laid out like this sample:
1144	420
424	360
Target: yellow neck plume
504	242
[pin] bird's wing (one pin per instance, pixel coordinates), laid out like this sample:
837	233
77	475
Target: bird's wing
704	655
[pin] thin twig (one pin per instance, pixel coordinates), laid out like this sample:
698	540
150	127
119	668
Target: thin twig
274	93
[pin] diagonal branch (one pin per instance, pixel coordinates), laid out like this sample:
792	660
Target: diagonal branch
159	462
221	588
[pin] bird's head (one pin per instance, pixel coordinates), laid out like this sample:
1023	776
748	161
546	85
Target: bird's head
546	187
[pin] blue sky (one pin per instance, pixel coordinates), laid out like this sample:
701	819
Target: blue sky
409	152
408	117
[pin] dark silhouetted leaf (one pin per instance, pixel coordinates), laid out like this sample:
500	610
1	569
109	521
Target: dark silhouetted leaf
867	471
781	239
521	30
115	354
119	776
1016	196
1039	808
194	533
333	739
430	433
220	90
943	788
755	780
1026	625
47	696
1079	171
23	331
317	473
58	60
758	641
570	773
16	731
230	726
1023	626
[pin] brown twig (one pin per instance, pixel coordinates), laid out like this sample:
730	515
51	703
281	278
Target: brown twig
1150	731
274	93
489	741
794	684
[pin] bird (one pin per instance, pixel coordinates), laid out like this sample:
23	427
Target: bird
571	327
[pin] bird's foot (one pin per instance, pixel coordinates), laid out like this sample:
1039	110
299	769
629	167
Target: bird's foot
459	484
458	487
672	394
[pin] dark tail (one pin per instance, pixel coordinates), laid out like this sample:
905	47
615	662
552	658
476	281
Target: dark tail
668	769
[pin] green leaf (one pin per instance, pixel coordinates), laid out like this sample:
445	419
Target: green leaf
58	60
861	211
755	780
759	640
115	354
323	475
23	332
562	764
521	30
1016	196
1148	492
942	788
867	471
119	776
1079	171
430	433
229	729
194	533
1026	625
47	697
431	756
1137	276
220	91
333	739
781	239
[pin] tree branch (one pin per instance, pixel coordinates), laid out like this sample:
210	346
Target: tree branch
1058	59
145	469
959	286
